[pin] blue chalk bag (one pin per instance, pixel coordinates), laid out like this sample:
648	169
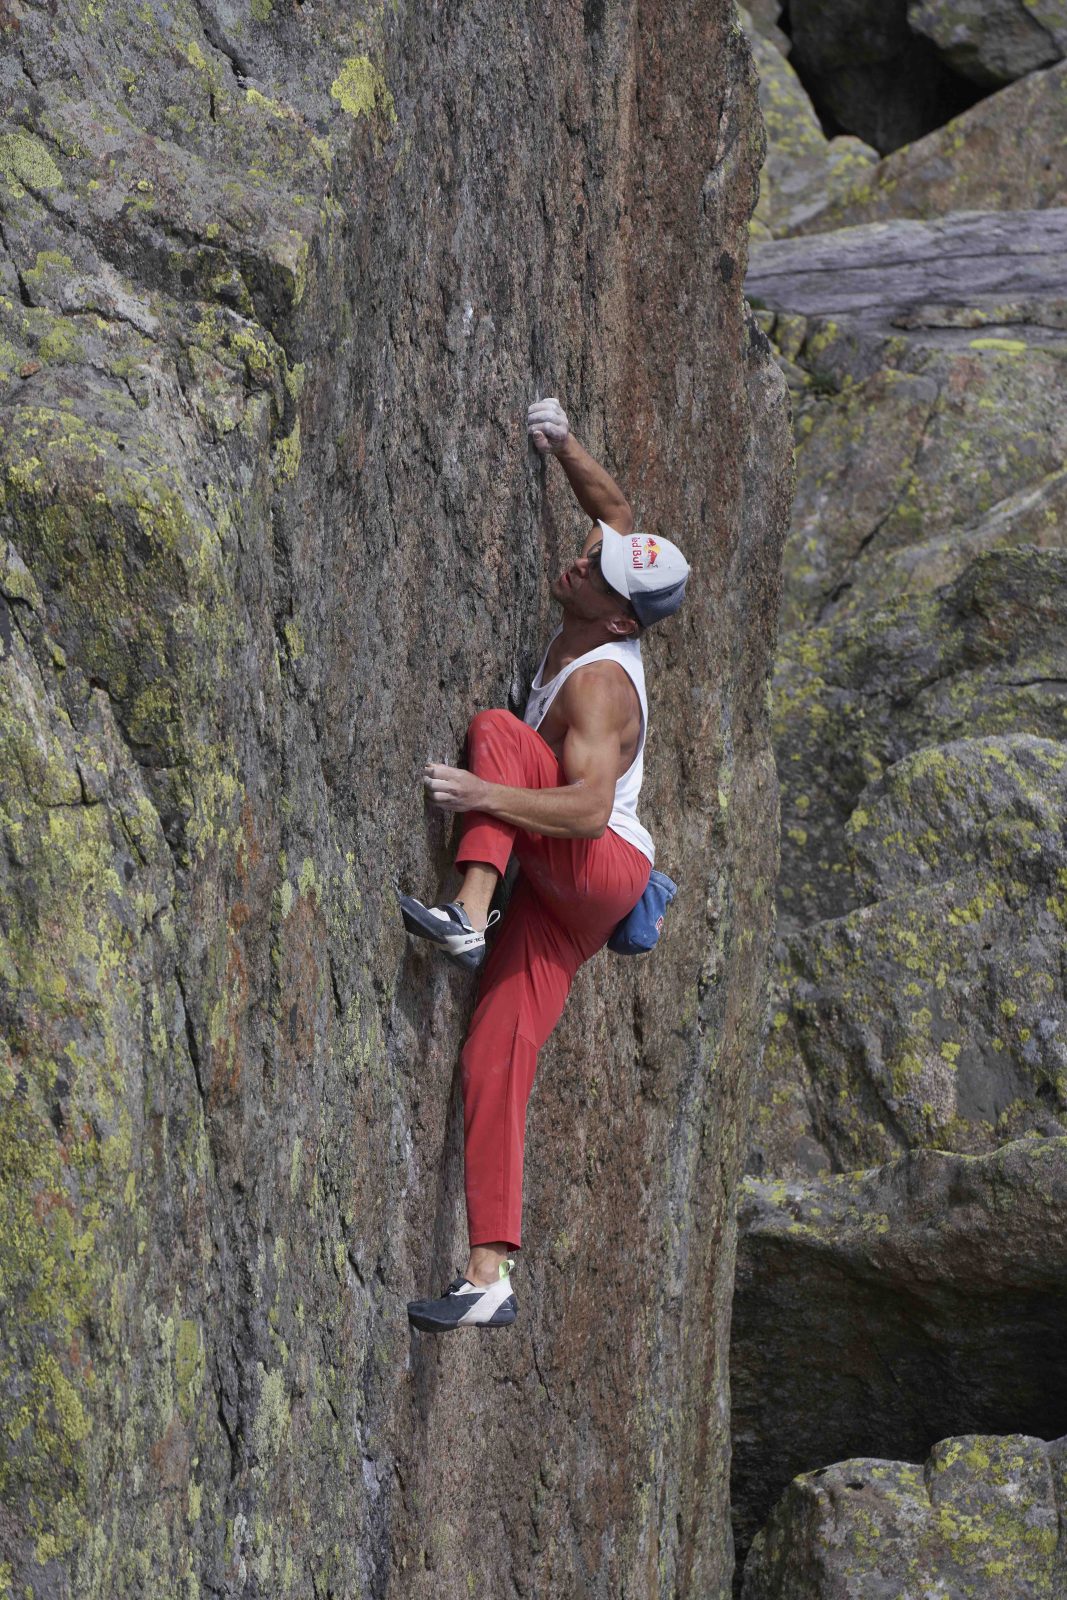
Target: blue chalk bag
640	930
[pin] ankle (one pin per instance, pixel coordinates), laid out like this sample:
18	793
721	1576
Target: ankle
479	881
483	1267
477	915
482	1275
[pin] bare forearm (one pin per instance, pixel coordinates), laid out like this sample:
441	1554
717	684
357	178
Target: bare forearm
594	489
573	812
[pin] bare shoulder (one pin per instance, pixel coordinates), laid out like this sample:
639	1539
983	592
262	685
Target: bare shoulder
603	690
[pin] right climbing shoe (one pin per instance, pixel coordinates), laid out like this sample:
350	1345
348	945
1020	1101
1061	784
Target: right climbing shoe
467	1305
449	928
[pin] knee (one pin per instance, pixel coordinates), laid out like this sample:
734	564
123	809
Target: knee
490	724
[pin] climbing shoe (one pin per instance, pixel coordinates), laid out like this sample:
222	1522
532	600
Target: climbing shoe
467	1305
449	928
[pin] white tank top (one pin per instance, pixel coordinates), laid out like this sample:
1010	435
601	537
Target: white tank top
627	653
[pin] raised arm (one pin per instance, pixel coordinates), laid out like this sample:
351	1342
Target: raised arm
594	489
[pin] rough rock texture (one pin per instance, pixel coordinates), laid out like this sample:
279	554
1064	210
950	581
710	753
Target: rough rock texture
982	1516
921	659
872	274
878	1312
803	168
275	285
869	73
993	41
929	498
1007	153
920	725
914	457
933	1015
984	655
919	988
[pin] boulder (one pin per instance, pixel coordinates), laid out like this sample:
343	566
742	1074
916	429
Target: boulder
929	473
933	1015
929	470
762	19
879	1312
804	168
981	1516
869	73
985	654
276	284
1007	153
874	273
993	41
913	459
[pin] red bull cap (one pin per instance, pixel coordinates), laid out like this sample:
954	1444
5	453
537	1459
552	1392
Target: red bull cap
650	572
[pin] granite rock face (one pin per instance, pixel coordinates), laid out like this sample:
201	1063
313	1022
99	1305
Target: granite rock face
993	41
923	609
914	468
275	287
933	1015
981	1516
878	1311
918	994
900	1274
978	654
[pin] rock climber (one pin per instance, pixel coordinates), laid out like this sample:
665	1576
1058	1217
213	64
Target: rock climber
559	789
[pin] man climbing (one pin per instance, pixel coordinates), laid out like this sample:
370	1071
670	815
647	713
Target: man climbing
559	789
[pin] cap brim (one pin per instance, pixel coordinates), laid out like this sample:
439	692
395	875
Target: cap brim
613	559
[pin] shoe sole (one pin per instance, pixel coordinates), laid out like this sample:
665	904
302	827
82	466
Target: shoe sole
503	1317
469	960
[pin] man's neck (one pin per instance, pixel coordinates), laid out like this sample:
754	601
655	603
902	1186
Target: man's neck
577	637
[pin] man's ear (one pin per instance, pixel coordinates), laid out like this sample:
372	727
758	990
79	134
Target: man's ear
624	627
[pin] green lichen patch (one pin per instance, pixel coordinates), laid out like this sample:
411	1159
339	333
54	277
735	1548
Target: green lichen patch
361	90
1008	347
75	910
188	1365
272	1417
137	562
26	163
981	1518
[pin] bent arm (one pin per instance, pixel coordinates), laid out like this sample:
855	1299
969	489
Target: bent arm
570	813
596	712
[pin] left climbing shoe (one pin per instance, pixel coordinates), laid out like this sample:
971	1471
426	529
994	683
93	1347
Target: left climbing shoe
448	927
467	1305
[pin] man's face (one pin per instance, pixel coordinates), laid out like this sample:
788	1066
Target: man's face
582	589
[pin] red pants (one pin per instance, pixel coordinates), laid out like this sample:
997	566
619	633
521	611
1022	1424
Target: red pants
568	898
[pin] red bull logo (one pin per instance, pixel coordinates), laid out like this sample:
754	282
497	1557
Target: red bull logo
644	551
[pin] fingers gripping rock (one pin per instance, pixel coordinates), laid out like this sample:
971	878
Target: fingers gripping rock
547	425
452	788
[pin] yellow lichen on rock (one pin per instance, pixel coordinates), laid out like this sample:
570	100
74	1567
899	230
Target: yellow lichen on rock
361	89
26	163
